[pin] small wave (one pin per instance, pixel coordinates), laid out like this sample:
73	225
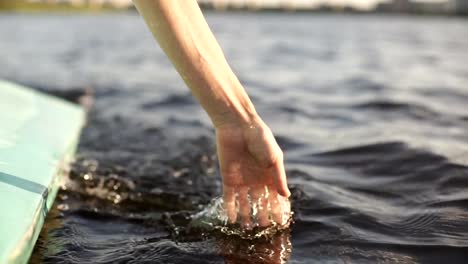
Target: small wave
174	100
387	106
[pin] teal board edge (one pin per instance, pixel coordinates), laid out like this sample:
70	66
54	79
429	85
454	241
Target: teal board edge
38	138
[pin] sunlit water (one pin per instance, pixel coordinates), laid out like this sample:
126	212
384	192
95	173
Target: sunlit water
370	111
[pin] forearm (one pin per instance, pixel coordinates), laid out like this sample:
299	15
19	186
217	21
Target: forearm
184	35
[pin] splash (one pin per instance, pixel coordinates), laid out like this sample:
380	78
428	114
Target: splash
214	218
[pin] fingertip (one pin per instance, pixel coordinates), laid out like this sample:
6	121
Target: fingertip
282	186
280	181
284	191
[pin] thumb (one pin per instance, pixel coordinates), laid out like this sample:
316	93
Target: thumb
279	179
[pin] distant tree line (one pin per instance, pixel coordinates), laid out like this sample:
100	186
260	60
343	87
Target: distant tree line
9	4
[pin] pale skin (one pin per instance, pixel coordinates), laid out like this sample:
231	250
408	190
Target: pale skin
251	161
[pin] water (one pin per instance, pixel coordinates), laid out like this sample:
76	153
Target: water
370	111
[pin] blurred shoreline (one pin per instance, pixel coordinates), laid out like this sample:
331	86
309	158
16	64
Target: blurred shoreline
404	7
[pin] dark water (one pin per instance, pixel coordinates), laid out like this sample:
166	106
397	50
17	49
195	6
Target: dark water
370	111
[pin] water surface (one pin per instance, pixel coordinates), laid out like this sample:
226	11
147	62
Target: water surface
370	111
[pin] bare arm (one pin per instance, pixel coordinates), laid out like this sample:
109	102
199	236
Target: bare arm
183	34
251	161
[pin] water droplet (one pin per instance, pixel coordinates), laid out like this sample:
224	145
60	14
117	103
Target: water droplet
63	207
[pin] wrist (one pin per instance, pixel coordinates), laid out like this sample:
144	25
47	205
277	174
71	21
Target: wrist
234	109
236	117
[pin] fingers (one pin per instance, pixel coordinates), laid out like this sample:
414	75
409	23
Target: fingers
279	179
280	208
260	205
275	205
229	198
244	208
265	206
285	208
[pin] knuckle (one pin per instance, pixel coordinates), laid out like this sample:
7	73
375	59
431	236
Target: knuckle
273	159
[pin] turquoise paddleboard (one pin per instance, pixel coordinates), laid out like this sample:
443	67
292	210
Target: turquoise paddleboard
38	137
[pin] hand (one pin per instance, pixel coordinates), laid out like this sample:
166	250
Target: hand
252	166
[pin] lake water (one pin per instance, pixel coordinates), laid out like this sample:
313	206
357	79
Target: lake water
371	112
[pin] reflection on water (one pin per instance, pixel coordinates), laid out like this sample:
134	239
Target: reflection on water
274	250
370	111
